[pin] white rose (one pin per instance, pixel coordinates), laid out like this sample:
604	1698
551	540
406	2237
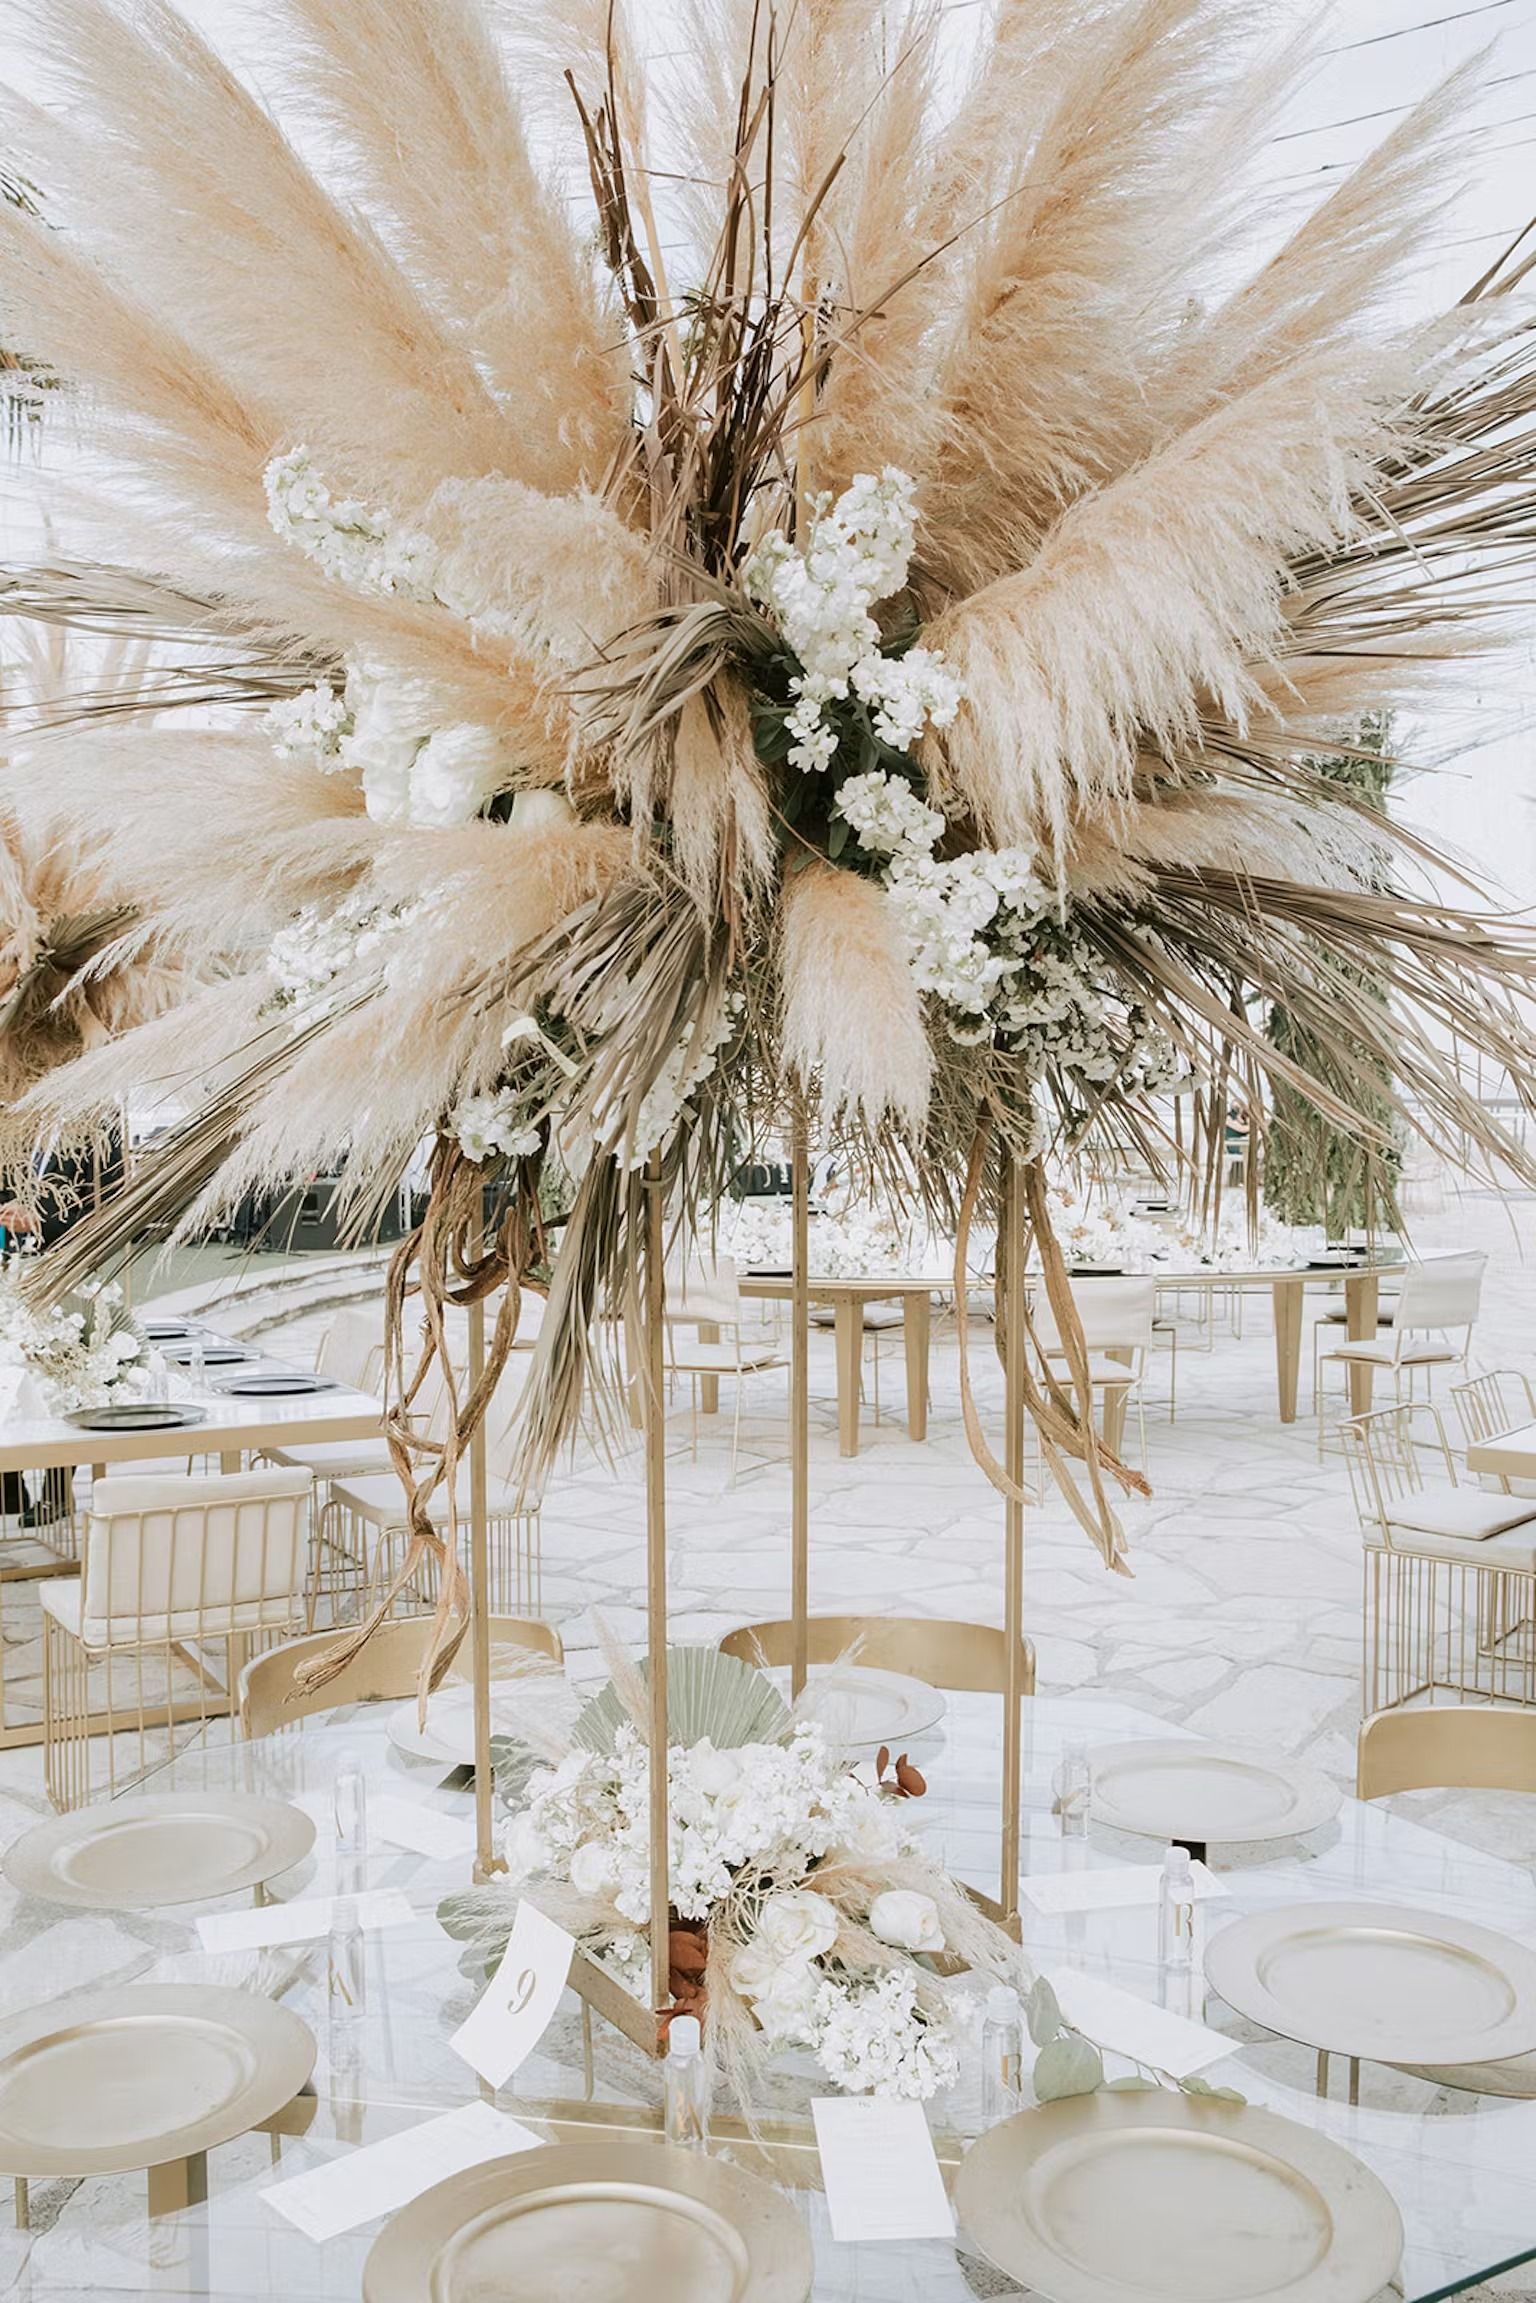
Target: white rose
392	719
533	811
910	1921
798	1925
785	2010
753	1969
455	772
591	1868
524	1846
717	1773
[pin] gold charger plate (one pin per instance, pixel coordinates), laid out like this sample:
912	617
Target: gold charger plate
101	2082
1377	1980
616	2220
182	1848
1182	1788
1157	2198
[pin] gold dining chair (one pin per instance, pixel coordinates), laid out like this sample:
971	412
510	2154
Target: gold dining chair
1454	1747
1450	1571
386	1670
969	1657
178	1576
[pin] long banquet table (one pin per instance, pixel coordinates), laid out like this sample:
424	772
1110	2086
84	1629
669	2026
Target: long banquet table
231	1429
1458	2165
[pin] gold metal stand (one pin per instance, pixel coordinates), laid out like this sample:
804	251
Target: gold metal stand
1011	1249
656	1571
800	1405
486	1859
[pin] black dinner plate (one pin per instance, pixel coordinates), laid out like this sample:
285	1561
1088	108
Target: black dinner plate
214	1355
137	1415
275	1386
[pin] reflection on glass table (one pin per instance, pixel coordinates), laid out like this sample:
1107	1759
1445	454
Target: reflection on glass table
1457	2164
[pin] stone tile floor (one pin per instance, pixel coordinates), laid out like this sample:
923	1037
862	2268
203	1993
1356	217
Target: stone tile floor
1243	1615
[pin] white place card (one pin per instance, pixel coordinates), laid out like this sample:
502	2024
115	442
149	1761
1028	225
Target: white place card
362	2185
1117	1887
513	2012
1125	2025
880	2169
303	1921
423	1830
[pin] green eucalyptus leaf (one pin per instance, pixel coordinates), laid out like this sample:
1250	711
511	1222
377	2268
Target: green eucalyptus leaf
1070	2065
1042	2012
837	837
1134	2083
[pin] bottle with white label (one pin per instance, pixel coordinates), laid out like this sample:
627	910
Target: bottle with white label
1176	1912
685	2081
1002	2055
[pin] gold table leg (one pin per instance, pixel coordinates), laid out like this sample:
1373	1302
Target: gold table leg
916	1320
23	2204
1289	1295
849	1333
178	2183
1360	1308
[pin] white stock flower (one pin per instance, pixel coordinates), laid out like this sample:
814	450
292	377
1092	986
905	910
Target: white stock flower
493	1123
887	816
856	554
356	544
907	1919
310	726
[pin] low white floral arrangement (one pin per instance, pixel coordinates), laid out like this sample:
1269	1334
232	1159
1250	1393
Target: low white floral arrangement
80	1353
804	1914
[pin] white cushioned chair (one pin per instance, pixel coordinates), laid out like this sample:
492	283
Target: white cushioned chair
172	1571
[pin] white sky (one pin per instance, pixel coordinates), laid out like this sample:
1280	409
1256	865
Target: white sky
1378	57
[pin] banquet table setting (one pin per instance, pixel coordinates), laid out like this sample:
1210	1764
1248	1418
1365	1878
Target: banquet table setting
1454	2165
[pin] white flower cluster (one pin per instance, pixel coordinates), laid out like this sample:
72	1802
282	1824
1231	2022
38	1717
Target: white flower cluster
693	1060
310	726
493	1123
880	2035
886	815
351	541
860	1240
305	958
78	1352
385	728
774	1808
821	598
747	1828
984	935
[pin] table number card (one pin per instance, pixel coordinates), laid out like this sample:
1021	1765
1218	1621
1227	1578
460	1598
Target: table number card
880	2169
304	1920
362	2185
513	2012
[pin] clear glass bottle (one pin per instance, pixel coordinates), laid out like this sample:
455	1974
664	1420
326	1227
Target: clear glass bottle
197	1366
1072	1788
1176	1911
1002	2055
685	2081
349	1815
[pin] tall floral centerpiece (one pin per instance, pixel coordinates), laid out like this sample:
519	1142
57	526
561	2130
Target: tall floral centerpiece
761	569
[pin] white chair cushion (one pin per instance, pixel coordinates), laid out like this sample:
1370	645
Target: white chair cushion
1383	1354
1472	1514
721	1358
1513	1552
1100	1371
334	1458
380	1501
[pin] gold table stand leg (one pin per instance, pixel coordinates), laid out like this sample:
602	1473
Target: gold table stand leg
178	2183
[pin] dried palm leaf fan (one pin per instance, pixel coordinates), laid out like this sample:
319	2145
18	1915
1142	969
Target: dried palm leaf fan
785	574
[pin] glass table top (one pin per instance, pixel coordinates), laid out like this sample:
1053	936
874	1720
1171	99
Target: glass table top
1457	2164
